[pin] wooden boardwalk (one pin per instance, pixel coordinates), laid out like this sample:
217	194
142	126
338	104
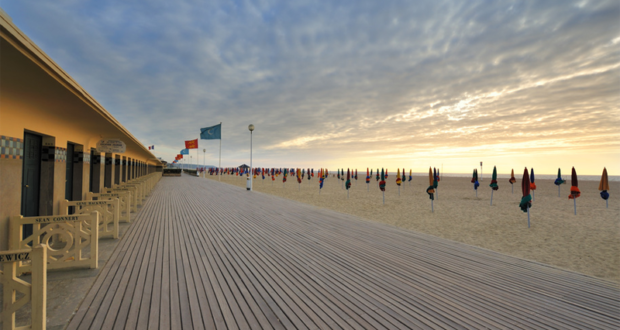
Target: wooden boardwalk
206	255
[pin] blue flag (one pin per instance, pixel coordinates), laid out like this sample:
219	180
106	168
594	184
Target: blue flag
211	133
184	151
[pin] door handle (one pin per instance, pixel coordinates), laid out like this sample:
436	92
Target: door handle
26	186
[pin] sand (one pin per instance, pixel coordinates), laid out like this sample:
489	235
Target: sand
588	243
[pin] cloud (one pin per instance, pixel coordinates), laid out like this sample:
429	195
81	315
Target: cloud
332	82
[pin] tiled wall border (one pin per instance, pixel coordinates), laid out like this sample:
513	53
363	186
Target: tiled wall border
60	154
11	148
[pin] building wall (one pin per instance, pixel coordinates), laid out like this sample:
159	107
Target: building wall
39	98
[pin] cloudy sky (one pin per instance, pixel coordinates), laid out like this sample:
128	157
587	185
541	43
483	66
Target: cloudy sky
351	83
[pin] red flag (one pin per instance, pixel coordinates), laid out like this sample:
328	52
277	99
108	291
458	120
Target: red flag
191	144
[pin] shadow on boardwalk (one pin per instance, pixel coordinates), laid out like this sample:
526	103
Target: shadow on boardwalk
207	255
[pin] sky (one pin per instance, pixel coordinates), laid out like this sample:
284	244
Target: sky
351	83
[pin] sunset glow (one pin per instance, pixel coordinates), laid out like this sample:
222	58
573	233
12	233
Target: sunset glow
357	84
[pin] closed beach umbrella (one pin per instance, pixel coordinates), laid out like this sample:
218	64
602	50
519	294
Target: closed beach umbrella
377	175
526	200
476	183
367	179
410	177
559	181
299	177
494	179
431	189
436	182
382	184
348	183
310	177
321	179
603	186
404	176
493	184
532	184
355	174
512	180
398	180
574	189
386	173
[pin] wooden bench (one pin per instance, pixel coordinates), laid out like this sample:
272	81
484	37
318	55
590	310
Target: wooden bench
109	214
18	292
70	231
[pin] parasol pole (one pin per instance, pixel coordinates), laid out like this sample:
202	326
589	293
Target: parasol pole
528	217
398	191
533	195
383	197
512	186
575	204
491	197
558	190
347	193
432	207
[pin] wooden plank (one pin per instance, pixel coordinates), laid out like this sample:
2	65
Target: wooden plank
198	258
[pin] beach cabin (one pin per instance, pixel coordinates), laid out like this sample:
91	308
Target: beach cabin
57	142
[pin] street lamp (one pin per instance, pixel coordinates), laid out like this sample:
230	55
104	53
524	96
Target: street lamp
204	162
251	128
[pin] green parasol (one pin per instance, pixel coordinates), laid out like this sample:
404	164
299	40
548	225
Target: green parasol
493	184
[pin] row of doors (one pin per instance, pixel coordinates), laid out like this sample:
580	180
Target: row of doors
31	175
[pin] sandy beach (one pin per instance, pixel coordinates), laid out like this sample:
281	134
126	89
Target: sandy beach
588	243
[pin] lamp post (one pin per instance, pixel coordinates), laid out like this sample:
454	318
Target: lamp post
251	128
204	162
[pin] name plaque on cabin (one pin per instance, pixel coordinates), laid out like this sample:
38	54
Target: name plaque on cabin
111	146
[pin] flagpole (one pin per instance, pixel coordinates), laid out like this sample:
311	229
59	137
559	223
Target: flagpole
219	177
